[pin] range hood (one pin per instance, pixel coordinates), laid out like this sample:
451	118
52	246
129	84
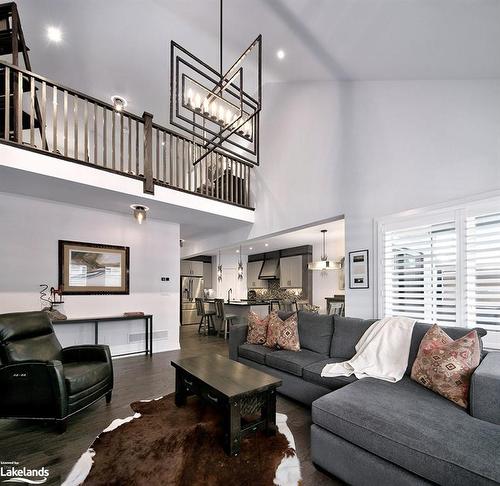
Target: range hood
270	269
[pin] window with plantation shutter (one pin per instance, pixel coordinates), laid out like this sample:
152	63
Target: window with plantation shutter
420	272
482	275
442	266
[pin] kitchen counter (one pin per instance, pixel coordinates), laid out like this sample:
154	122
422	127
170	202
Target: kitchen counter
241	308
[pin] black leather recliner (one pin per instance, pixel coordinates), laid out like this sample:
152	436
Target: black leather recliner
41	380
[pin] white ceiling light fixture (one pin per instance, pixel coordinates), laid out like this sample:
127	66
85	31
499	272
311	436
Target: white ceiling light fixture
139	212
119	102
54	34
280	54
324	263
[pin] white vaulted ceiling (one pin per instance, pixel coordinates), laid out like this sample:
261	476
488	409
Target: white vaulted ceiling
122	46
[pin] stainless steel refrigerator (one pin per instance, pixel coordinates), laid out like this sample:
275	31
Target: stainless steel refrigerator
191	288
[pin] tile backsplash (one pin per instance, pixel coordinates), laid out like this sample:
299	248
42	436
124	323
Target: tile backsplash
274	291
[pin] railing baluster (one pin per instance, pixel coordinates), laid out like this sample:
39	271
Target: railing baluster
149	186
164	154
43	115
96	136
137	147
65	122
75	125
170	160
19	109
195	168
121	142
86	131
217	184
104	137
129	144
32	111
54	119
7	104
113	140
176	161
157	154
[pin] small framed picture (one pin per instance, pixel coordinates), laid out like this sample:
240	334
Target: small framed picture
90	268
358	269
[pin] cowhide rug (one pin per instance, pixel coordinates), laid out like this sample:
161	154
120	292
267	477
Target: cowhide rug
162	444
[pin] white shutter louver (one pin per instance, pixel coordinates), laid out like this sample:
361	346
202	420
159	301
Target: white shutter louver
483	271
420	270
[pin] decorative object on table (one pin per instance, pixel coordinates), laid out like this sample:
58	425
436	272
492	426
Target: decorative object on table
48	303
214	106
445	366
310	308
219	268
134	314
324	264
90	268
139	212
240	266
127	451
358	269
257	328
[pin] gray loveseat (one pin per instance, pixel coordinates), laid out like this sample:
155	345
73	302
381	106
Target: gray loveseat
371	432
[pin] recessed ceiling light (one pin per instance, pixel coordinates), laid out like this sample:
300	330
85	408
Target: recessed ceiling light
237	251
54	34
119	102
280	54
267	244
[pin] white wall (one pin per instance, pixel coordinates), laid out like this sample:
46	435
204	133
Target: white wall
369	149
30	230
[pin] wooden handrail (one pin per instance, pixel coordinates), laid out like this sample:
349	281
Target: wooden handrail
84	129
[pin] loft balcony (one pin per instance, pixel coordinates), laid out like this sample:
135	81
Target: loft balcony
43	116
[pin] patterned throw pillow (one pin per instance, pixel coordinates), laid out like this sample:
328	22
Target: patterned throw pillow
445	366
257	328
283	334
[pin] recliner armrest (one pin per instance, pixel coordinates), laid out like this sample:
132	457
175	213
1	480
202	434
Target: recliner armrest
33	388
485	389
237	336
86	352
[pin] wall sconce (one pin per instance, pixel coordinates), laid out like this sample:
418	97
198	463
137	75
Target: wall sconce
139	212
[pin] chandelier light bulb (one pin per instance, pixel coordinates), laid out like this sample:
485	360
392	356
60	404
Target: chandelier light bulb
206	106
213	110
221	114
190	97
197	101
228	116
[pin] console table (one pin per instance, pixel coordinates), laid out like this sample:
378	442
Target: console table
148	326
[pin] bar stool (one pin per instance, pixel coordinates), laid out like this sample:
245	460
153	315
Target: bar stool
207	317
226	319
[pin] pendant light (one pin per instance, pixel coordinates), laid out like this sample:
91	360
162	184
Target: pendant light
240	267
139	212
324	263
219	268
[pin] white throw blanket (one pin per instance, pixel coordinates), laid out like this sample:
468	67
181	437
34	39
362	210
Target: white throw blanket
382	352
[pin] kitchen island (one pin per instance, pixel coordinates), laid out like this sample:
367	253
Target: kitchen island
241	308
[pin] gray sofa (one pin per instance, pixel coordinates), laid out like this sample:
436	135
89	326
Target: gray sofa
371	432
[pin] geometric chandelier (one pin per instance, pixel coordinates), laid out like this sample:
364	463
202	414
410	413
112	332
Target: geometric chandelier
215	106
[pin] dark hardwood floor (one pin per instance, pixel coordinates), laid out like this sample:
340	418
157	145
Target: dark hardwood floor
36	444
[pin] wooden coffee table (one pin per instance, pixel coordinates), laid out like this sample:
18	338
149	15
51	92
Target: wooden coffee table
236	389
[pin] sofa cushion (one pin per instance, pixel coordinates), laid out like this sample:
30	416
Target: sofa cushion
414	428
80	376
421	328
312	374
315	332
254	352
292	361
347	331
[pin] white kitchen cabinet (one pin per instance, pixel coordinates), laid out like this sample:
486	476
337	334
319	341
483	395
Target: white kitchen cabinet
191	269
253	281
207	275
291	272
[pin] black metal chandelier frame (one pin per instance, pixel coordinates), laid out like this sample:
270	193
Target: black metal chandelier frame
235	134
